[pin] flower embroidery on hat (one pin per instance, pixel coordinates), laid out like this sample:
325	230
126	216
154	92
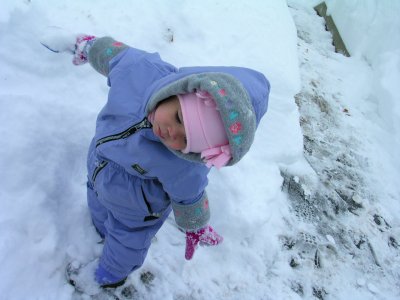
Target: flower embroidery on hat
235	127
237	139
233	115
222	92
229	104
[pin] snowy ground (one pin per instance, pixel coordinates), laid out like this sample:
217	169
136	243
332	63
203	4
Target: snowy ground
322	223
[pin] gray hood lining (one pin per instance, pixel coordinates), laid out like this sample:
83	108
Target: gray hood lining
232	101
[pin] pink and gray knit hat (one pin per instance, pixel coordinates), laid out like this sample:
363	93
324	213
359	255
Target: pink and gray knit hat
205	131
234	105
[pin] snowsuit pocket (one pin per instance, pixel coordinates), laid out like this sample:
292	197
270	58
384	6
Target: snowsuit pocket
130	199
155	198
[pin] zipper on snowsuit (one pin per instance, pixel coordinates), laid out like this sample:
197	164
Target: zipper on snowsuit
123	135
126	133
96	171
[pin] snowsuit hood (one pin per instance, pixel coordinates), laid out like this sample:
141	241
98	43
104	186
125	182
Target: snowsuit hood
241	96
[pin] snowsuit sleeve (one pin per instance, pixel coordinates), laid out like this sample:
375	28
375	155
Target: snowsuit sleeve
103	51
188	196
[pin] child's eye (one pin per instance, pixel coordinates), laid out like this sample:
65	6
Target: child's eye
178	119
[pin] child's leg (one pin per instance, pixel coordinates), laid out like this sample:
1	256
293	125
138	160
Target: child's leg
97	211
130	211
127	243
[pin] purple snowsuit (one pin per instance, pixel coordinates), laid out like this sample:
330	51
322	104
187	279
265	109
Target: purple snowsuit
134	180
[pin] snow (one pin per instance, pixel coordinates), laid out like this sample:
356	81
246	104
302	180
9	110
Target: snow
357	18
276	246
370	30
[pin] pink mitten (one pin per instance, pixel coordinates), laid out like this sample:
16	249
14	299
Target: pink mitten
81	49
59	40
205	236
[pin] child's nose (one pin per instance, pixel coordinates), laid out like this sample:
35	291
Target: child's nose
174	132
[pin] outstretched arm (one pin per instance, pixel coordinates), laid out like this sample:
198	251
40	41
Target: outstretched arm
85	48
101	51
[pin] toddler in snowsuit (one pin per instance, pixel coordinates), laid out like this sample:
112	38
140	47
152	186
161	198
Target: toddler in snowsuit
156	138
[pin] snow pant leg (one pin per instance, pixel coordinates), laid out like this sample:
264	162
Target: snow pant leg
97	211
127	243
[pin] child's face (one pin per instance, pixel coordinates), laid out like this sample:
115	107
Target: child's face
168	124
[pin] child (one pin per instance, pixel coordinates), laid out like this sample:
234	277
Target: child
156	138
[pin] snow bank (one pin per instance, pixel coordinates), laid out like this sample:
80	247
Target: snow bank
362	24
371	29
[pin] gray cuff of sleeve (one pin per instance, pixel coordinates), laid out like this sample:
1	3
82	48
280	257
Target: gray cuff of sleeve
193	216
102	51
